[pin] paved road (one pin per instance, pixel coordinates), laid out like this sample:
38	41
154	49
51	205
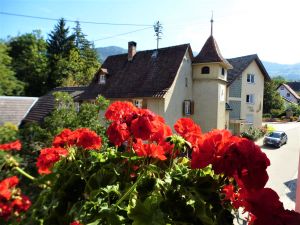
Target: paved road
284	163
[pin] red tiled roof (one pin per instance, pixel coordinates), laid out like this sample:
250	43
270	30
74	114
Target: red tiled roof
150	74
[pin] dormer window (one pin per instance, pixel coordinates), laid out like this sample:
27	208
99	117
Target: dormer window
101	79
205	70
138	103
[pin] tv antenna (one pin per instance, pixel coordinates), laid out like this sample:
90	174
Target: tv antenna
158	32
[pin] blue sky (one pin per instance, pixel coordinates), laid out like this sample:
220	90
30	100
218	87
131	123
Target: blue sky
269	28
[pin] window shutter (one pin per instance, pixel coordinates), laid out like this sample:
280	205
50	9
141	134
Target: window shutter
192	107
183	108
144	104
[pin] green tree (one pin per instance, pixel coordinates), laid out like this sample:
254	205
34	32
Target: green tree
59	40
9	84
30	62
278	80
60	45
272	99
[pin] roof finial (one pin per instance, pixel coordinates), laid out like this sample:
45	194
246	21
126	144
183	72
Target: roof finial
211	21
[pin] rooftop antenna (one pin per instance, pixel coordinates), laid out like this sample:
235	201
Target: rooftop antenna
158	32
211	23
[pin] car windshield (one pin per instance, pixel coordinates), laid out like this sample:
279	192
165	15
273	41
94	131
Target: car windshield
274	135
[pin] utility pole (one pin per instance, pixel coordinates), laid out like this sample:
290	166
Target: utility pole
158	32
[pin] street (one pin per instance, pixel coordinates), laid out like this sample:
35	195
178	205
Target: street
284	163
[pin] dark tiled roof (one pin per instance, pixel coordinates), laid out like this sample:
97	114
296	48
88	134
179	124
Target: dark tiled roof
45	104
210	52
146	75
294	85
241	63
14	109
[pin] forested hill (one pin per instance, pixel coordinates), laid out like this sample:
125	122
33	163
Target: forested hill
290	72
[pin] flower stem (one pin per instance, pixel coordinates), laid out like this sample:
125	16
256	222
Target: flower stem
21	171
130	189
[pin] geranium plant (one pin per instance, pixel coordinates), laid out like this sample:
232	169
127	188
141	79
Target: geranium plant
142	173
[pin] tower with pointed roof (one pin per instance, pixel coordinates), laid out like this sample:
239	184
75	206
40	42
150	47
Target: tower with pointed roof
209	86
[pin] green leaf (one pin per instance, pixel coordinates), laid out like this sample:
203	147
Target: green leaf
147	212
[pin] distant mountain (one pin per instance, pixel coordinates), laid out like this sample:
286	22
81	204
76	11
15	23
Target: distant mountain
104	52
290	72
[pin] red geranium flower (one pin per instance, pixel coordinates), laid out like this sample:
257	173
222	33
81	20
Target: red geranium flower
149	150
189	130
6	187
82	137
65	138
209	148
232	195
15	145
5	210
145	124
120	111
87	139
21	204
118	133
47	158
76	223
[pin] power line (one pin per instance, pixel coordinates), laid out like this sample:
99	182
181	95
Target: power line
122	34
87	22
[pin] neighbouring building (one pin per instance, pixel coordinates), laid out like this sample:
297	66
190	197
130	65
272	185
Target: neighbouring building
246	92
288	94
295	86
213	91
13	109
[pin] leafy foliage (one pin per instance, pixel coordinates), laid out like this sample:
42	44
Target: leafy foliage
9	84
272	99
30	62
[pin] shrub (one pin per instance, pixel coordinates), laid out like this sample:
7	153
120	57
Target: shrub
143	174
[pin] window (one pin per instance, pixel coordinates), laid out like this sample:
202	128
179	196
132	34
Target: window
101	79
250	78
186	81
288	95
281	88
205	70
138	103
223	71
250	98
188	107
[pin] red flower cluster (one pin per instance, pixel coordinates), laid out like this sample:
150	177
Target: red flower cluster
15	145
76	223
82	137
132	124
12	202
241	159
47	158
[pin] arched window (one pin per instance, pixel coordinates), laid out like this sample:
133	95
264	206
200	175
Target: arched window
205	70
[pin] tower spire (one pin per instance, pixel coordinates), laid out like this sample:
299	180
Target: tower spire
211	23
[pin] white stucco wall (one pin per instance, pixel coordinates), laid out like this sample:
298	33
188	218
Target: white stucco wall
179	92
209	92
254	110
283	92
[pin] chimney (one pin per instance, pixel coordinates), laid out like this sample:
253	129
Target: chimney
131	50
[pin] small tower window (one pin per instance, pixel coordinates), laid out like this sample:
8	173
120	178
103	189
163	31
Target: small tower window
186	81
101	79
223	71
205	70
